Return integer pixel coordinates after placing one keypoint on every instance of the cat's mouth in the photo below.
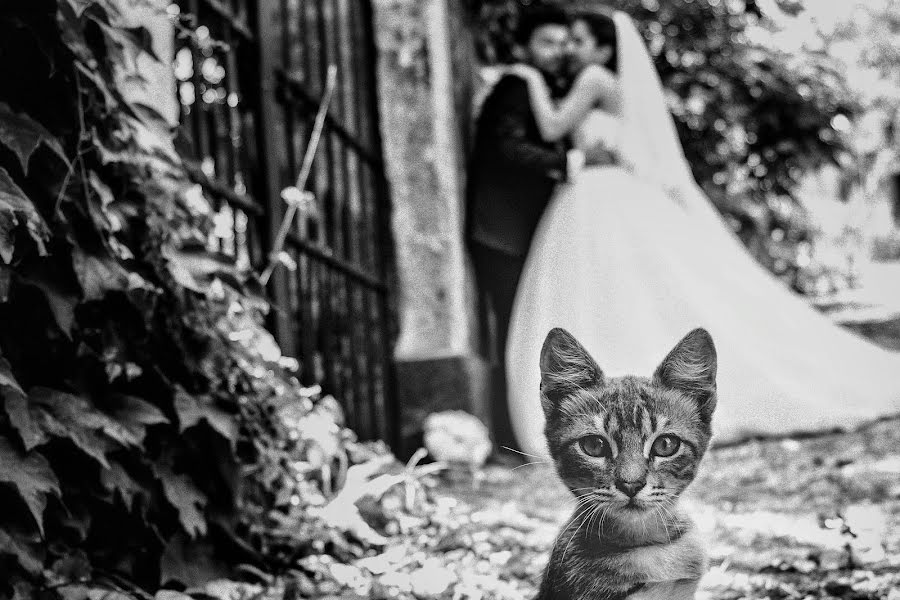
(634, 505)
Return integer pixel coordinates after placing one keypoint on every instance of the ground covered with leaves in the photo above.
(792, 518)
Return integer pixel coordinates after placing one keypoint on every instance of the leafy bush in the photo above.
(144, 438)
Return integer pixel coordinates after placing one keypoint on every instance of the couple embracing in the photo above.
(583, 214)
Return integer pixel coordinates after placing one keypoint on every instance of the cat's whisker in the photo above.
(672, 518)
(577, 512)
(658, 511)
(591, 518)
(603, 515)
(537, 462)
(582, 514)
(580, 503)
(602, 508)
(522, 453)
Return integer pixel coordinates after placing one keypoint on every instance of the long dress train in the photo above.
(628, 270)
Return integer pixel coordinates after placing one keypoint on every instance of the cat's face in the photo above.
(629, 445)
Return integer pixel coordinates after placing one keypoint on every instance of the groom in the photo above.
(512, 176)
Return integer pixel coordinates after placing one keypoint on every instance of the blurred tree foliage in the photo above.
(752, 119)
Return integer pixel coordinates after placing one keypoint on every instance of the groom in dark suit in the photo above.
(512, 176)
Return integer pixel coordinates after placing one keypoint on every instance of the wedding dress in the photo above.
(630, 260)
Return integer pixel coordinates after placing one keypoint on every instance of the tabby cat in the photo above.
(626, 448)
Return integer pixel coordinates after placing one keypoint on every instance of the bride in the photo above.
(632, 256)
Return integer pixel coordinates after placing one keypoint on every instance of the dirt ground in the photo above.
(791, 518)
(813, 518)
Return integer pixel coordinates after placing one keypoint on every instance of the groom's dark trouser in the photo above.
(498, 276)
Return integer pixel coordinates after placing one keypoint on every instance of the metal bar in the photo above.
(224, 192)
(314, 85)
(376, 407)
(344, 267)
(271, 142)
(365, 251)
(305, 169)
(305, 280)
(359, 301)
(392, 418)
(297, 90)
(365, 113)
(338, 149)
(239, 26)
(329, 335)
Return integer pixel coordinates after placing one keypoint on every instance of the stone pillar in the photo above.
(424, 80)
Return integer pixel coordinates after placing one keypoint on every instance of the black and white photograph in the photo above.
(450, 299)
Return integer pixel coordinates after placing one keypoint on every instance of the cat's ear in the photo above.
(565, 367)
(690, 368)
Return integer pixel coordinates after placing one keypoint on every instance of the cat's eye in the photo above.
(594, 445)
(666, 445)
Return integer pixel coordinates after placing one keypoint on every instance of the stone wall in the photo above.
(424, 74)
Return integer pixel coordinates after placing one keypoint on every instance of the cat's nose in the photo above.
(631, 488)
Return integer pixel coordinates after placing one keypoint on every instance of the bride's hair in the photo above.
(603, 29)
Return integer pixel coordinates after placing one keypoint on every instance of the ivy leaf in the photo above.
(16, 405)
(77, 519)
(136, 415)
(172, 594)
(74, 566)
(86, 441)
(98, 275)
(193, 409)
(117, 479)
(79, 6)
(59, 288)
(189, 501)
(191, 563)
(15, 205)
(109, 100)
(28, 554)
(68, 416)
(22, 134)
(31, 474)
(80, 412)
(105, 594)
(8, 383)
(75, 591)
(22, 590)
(140, 38)
(99, 214)
(21, 418)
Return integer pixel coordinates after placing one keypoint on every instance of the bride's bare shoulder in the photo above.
(594, 72)
(598, 81)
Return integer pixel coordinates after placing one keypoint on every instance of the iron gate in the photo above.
(248, 106)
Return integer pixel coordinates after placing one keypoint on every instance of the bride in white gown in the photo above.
(631, 257)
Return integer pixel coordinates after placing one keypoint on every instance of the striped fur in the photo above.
(615, 547)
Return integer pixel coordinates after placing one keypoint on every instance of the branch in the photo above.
(296, 195)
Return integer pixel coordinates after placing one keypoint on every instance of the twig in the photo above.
(303, 176)
(416, 458)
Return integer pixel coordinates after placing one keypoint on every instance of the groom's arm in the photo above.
(513, 110)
